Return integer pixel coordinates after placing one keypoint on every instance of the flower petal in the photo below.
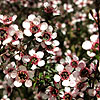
(41, 63)
(26, 24)
(27, 32)
(17, 83)
(40, 54)
(56, 78)
(28, 83)
(33, 67)
(44, 26)
(31, 17)
(87, 45)
(31, 52)
(59, 67)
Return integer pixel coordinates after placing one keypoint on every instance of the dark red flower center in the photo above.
(54, 92)
(8, 89)
(68, 97)
(49, 9)
(22, 75)
(34, 29)
(35, 60)
(74, 64)
(64, 75)
(49, 47)
(58, 58)
(46, 36)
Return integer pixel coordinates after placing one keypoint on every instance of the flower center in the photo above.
(74, 64)
(46, 36)
(8, 89)
(35, 29)
(35, 60)
(49, 47)
(3, 34)
(58, 58)
(64, 75)
(54, 92)
(49, 9)
(84, 73)
(22, 75)
(7, 20)
(68, 97)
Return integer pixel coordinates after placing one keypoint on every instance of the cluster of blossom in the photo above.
(71, 80)
(82, 3)
(11, 40)
(32, 57)
(72, 76)
(92, 46)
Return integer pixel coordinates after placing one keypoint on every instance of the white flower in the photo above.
(68, 8)
(5, 97)
(87, 45)
(56, 78)
(59, 67)
(38, 56)
(46, 4)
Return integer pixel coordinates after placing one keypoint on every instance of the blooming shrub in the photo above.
(49, 50)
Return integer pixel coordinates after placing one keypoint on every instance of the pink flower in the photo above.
(22, 76)
(36, 59)
(7, 20)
